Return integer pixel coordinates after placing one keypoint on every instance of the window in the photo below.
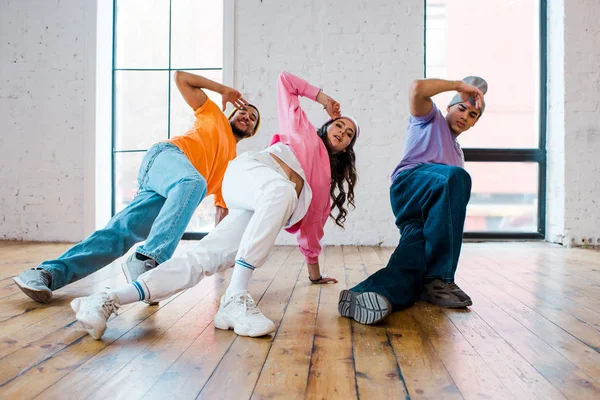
(152, 39)
(501, 41)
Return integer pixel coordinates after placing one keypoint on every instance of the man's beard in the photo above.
(237, 132)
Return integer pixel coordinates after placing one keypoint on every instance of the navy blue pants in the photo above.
(430, 203)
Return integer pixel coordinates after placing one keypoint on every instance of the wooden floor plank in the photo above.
(375, 361)
(567, 377)
(585, 327)
(288, 361)
(576, 289)
(473, 377)
(247, 355)
(144, 340)
(332, 373)
(533, 332)
(519, 284)
(572, 344)
(425, 374)
(190, 372)
(55, 365)
(423, 370)
(519, 377)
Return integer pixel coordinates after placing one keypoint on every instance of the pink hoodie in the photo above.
(296, 131)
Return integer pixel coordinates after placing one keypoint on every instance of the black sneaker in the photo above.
(35, 283)
(445, 294)
(367, 308)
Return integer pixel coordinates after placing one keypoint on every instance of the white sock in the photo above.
(242, 271)
(131, 293)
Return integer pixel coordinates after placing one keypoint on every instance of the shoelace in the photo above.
(452, 286)
(108, 306)
(42, 279)
(248, 304)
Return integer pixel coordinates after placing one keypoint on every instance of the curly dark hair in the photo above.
(343, 169)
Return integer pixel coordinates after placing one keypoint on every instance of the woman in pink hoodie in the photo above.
(290, 185)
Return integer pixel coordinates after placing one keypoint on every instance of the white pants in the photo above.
(261, 201)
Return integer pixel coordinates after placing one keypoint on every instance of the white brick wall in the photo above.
(582, 122)
(575, 147)
(555, 213)
(365, 54)
(42, 117)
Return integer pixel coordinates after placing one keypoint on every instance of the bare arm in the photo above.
(190, 86)
(329, 104)
(422, 90)
(314, 273)
(220, 214)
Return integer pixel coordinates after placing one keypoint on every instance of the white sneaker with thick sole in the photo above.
(93, 312)
(241, 314)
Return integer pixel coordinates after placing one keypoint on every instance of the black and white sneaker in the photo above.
(367, 308)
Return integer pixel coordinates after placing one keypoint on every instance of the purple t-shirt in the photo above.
(429, 140)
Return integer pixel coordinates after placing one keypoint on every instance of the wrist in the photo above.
(221, 89)
(314, 272)
(323, 99)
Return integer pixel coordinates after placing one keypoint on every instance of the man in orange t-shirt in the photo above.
(174, 177)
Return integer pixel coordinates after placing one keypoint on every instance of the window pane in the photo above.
(141, 109)
(204, 217)
(498, 40)
(142, 34)
(126, 172)
(182, 116)
(197, 34)
(504, 197)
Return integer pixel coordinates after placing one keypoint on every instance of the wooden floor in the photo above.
(532, 333)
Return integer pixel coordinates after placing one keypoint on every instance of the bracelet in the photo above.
(326, 102)
(315, 280)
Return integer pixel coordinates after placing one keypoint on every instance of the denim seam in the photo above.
(176, 219)
(180, 211)
(452, 238)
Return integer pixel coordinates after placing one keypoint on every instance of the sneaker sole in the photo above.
(367, 308)
(225, 324)
(129, 280)
(41, 296)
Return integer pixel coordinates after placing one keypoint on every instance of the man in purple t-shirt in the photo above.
(429, 195)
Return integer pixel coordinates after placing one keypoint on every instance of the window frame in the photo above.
(227, 74)
(536, 155)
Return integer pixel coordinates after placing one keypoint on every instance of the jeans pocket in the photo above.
(147, 162)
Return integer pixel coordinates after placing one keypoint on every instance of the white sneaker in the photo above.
(241, 313)
(93, 312)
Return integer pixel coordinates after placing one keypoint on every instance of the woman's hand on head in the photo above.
(333, 108)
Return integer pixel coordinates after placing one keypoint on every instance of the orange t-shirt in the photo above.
(209, 146)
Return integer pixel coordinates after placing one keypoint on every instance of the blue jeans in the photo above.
(170, 190)
(430, 203)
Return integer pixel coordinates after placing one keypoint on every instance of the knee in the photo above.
(459, 177)
(195, 185)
